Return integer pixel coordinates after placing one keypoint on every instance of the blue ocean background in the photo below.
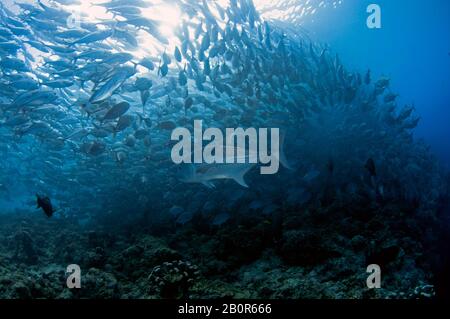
(412, 48)
(88, 113)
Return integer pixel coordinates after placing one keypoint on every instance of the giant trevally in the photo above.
(206, 173)
(237, 162)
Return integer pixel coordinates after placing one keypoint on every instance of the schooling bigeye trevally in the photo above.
(184, 148)
(91, 91)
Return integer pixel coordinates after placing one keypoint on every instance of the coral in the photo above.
(304, 248)
(420, 292)
(25, 247)
(173, 279)
(317, 258)
(239, 245)
(95, 258)
(99, 285)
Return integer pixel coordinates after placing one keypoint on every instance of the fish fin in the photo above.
(238, 175)
(240, 180)
(283, 159)
(209, 184)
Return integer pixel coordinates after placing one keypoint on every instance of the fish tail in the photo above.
(283, 159)
(239, 173)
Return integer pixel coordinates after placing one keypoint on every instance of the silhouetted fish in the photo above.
(46, 205)
(370, 166)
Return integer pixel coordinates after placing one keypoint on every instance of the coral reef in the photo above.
(304, 256)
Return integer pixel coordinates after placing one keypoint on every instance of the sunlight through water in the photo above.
(292, 11)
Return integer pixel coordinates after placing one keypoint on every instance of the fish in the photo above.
(206, 174)
(9, 63)
(116, 111)
(35, 98)
(26, 84)
(111, 85)
(184, 218)
(94, 148)
(370, 167)
(124, 122)
(58, 84)
(45, 204)
(220, 219)
(102, 99)
(143, 84)
(147, 63)
(94, 37)
(311, 175)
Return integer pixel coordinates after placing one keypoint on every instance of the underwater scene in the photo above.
(224, 149)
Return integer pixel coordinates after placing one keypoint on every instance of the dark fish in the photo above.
(188, 103)
(163, 70)
(46, 205)
(370, 166)
(182, 79)
(177, 54)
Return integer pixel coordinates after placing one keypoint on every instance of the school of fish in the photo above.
(87, 109)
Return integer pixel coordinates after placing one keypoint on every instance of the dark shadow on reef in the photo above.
(321, 251)
(441, 258)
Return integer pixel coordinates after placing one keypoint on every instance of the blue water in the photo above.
(412, 48)
(89, 118)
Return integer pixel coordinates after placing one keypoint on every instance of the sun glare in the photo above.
(168, 15)
(88, 11)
